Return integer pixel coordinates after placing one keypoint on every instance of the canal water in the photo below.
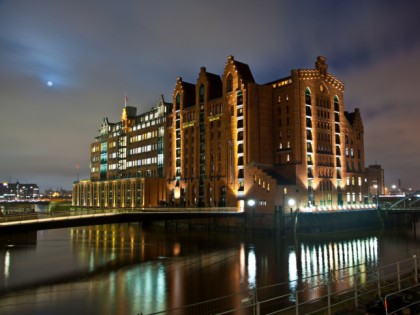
(127, 269)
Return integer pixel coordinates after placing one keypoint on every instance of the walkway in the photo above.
(59, 219)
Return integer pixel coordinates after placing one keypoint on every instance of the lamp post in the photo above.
(377, 194)
(291, 203)
(251, 203)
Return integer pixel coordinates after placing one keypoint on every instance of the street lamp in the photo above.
(251, 202)
(291, 203)
(377, 194)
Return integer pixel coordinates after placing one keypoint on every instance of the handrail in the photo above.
(378, 282)
(38, 217)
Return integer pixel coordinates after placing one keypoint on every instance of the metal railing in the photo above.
(363, 289)
(80, 213)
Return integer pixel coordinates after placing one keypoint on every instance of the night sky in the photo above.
(65, 65)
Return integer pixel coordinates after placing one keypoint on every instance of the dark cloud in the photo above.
(96, 51)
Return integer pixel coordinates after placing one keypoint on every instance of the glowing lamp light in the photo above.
(291, 202)
(177, 192)
(251, 202)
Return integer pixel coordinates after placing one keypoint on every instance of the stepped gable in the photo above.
(320, 72)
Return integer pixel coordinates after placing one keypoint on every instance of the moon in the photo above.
(49, 83)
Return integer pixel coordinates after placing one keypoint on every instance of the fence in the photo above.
(39, 217)
(381, 284)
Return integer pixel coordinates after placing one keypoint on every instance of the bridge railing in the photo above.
(358, 289)
(84, 213)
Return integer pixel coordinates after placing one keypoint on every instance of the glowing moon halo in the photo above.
(49, 83)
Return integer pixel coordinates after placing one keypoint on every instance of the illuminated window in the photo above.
(336, 104)
(308, 96)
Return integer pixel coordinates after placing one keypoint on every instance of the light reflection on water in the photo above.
(122, 269)
(312, 264)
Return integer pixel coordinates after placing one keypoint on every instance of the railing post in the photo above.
(356, 302)
(297, 302)
(398, 276)
(416, 280)
(379, 282)
(329, 296)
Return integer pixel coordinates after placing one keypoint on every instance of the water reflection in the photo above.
(124, 269)
(312, 264)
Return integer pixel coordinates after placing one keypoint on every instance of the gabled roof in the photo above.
(352, 117)
(215, 83)
(244, 71)
(189, 94)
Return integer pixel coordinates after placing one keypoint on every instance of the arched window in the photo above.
(178, 102)
(201, 94)
(336, 104)
(229, 83)
(308, 96)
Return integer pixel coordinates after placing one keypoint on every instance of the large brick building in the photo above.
(230, 140)
(288, 143)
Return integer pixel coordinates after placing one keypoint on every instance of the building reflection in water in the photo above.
(311, 264)
(146, 271)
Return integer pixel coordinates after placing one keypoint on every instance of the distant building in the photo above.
(126, 168)
(18, 191)
(226, 140)
(376, 180)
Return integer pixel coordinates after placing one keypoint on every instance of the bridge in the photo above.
(389, 210)
(80, 217)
